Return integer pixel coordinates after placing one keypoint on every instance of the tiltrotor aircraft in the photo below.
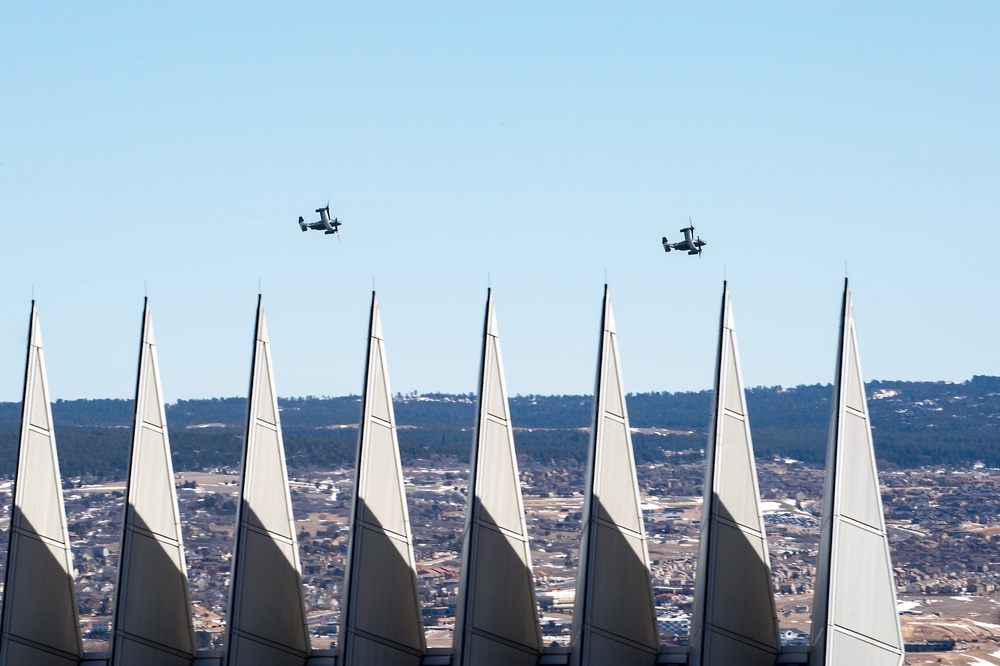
(690, 244)
(331, 226)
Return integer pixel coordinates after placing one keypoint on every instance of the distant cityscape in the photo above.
(944, 535)
(944, 520)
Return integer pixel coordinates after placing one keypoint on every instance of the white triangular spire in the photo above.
(614, 621)
(497, 620)
(40, 624)
(734, 619)
(266, 620)
(381, 615)
(152, 620)
(854, 547)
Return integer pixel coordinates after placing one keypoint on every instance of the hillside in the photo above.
(915, 423)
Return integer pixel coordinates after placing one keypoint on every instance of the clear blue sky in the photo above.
(533, 146)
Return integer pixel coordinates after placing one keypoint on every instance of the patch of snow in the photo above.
(986, 625)
(976, 661)
(945, 624)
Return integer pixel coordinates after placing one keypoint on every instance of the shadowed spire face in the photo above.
(39, 624)
(614, 621)
(855, 618)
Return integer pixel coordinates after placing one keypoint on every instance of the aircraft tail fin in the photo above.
(302, 223)
(666, 245)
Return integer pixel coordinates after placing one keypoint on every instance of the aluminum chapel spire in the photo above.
(381, 616)
(152, 620)
(614, 621)
(497, 616)
(734, 618)
(40, 623)
(854, 614)
(266, 619)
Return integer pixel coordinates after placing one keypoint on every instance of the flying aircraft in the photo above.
(331, 226)
(690, 244)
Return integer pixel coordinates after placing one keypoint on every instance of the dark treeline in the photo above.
(915, 423)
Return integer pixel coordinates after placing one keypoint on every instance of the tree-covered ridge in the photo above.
(915, 423)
